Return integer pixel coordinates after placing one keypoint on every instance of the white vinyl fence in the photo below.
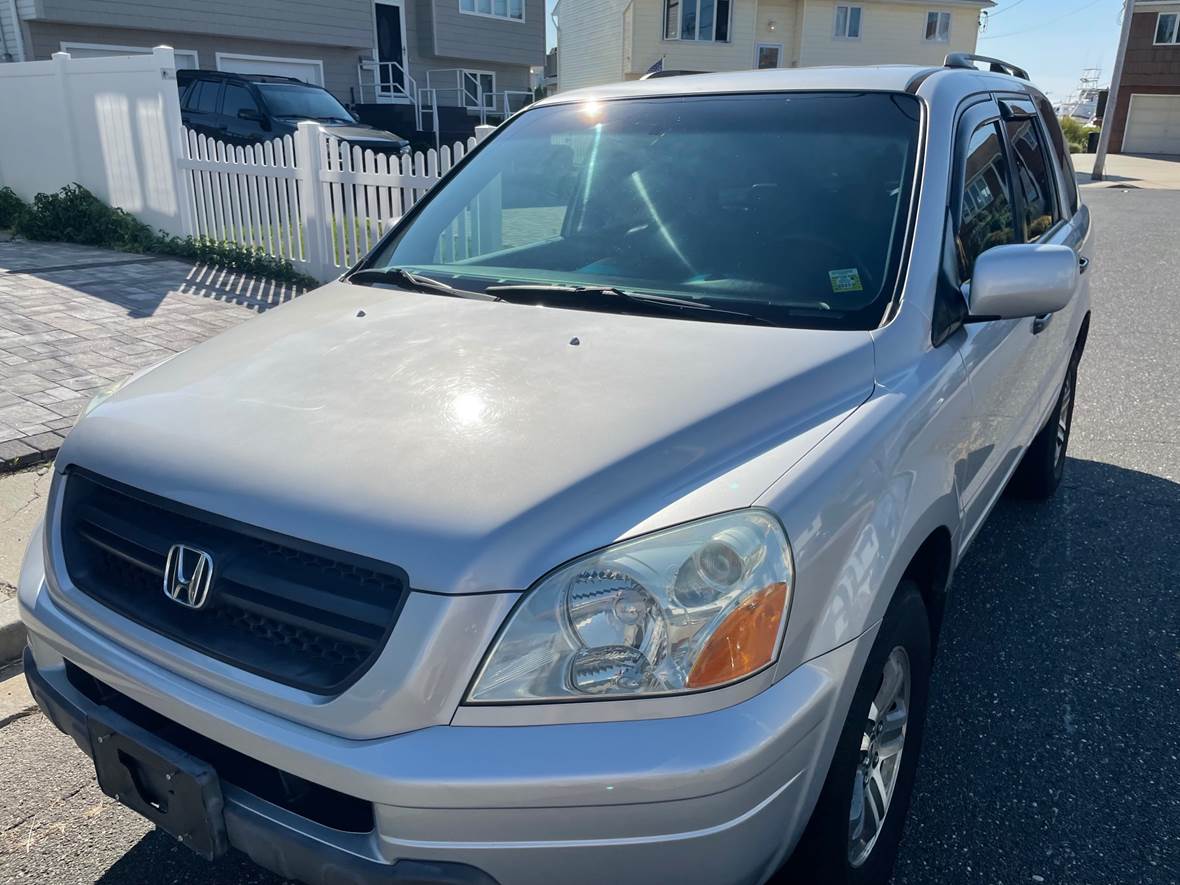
(312, 200)
(114, 126)
(110, 124)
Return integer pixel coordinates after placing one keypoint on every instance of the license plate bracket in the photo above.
(177, 792)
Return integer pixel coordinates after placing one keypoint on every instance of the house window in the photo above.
(513, 10)
(938, 27)
(1167, 28)
(847, 22)
(706, 20)
(672, 19)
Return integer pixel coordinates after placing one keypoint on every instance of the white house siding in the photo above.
(590, 38)
(692, 55)
(891, 33)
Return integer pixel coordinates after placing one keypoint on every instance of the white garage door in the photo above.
(309, 70)
(1153, 125)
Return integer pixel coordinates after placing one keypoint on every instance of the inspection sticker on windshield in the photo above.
(847, 280)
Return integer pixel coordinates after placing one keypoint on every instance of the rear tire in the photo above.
(854, 832)
(1043, 466)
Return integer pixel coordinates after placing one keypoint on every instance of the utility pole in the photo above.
(1112, 100)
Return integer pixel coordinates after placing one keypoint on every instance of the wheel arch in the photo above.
(930, 568)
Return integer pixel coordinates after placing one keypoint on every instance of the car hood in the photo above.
(363, 132)
(476, 444)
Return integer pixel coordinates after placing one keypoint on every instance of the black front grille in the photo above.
(286, 609)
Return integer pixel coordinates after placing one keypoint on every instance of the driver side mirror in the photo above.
(254, 116)
(1024, 280)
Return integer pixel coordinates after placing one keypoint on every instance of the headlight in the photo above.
(686, 609)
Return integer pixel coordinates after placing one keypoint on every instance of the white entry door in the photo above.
(768, 55)
(1153, 125)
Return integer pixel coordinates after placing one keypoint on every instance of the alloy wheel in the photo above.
(881, 747)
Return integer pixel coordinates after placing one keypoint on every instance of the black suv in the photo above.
(249, 108)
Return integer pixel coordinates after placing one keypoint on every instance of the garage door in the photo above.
(1153, 125)
(309, 70)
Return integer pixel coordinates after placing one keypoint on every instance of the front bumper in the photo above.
(259, 831)
(719, 797)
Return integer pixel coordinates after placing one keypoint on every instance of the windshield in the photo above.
(791, 207)
(305, 102)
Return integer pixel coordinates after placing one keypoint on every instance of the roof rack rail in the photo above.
(997, 66)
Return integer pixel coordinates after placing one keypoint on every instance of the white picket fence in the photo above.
(309, 199)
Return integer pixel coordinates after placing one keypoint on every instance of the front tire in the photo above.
(855, 830)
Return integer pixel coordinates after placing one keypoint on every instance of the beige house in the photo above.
(603, 41)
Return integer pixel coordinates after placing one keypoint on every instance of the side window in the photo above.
(987, 218)
(1061, 151)
(1035, 178)
(237, 98)
(191, 92)
(203, 97)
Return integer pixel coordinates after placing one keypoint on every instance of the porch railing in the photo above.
(385, 80)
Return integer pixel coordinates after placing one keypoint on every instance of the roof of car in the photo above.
(189, 73)
(869, 78)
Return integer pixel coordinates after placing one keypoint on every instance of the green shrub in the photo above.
(75, 215)
(1077, 134)
(11, 208)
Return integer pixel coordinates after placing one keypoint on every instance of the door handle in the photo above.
(1083, 264)
(1041, 323)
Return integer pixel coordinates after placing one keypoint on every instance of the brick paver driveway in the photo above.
(73, 319)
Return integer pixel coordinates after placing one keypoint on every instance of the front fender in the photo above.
(862, 503)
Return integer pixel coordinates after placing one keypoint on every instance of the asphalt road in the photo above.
(1053, 749)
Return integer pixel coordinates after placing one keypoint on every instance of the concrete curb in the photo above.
(23, 460)
(12, 632)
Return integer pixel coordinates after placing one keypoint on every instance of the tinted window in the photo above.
(202, 98)
(1061, 151)
(1035, 177)
(237, 98)
(303, 102)
(987, 218)
(792, 206)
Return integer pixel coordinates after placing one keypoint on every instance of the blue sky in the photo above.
(1053, 39)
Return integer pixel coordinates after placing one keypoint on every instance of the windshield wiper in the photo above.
(399, 276)
(532, 293)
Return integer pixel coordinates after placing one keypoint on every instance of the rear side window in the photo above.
(987, 219)
(202, 97)
(1034, 177)
(1061, 151)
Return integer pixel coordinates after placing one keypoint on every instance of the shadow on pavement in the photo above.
(158, 858)
(1053, 712)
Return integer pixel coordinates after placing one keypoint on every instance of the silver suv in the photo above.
(598, 526)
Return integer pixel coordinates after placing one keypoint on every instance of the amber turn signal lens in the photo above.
(744, 641)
